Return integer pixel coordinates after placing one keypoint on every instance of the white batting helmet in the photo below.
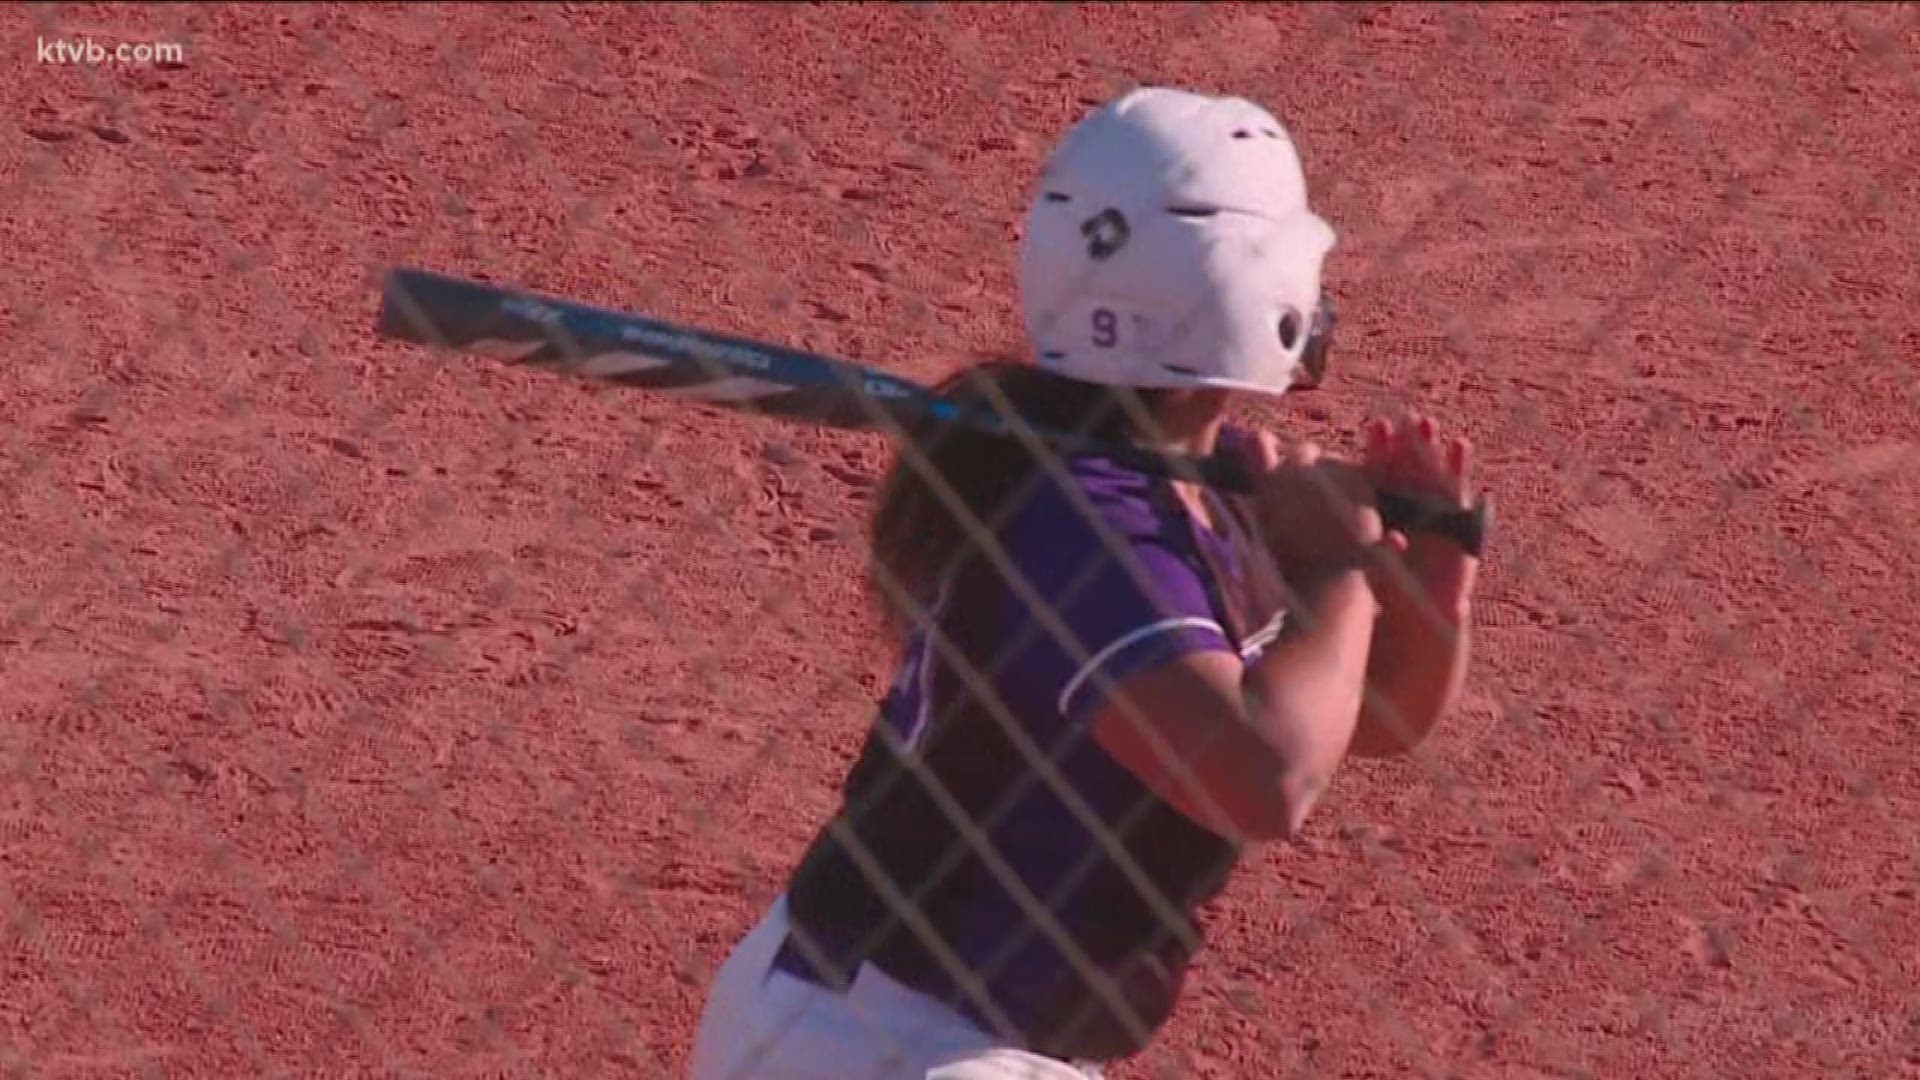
(1169, 244)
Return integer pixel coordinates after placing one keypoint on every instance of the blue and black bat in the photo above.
(426, 308)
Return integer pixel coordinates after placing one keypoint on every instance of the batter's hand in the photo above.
(1316, 513)
(1409, 456)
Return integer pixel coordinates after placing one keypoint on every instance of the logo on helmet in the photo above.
(1106, 232)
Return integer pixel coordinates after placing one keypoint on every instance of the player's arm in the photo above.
(1417, 667)
(1247, 750)
(1420, 645)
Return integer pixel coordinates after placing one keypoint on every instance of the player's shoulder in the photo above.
(1086, 505)
(1125, 495)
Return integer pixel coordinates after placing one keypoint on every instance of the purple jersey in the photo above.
(1118, 578)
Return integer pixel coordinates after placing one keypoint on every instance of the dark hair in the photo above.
(917, 537)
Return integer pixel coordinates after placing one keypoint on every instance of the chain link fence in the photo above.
(369, 711)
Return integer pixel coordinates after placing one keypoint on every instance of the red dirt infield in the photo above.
(373, 713)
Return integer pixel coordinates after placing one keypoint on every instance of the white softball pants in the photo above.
(761, 1026)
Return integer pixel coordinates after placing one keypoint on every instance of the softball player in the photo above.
(1110, 682)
